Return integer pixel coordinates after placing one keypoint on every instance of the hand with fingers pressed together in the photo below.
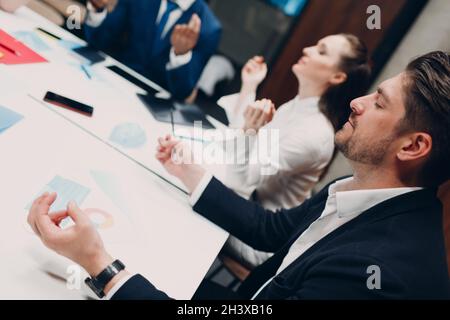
(253, 73)
(258, 115)
(178, 160)
(80, 242)
(184, 37)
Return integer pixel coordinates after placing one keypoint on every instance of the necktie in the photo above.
(171, 6)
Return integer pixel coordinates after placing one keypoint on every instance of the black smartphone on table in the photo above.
(64, 102)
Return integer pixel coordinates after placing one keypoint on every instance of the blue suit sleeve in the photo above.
(139, 288)
(261, 229)
(107, 36)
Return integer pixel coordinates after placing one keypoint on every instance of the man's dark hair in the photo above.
(427, 104)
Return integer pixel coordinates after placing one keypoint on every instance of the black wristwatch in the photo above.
(98, 283)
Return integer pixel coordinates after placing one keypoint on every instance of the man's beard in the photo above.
(360, 152)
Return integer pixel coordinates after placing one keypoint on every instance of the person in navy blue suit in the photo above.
(168, 41)
(375, 235)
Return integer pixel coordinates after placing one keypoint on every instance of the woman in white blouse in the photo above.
(330, 74)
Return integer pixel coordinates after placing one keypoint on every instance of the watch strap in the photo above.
(99, 282)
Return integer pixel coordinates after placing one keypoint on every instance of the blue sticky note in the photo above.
(67, 190)
(8, 118)
(32, 40)
(68, 44)
(128, 135)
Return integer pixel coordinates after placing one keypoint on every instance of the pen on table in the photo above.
(85, 70)
(189, 138)
(49, 33)
(171, 121)
(15, 52)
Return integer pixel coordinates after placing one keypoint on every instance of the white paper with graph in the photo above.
(100, 195)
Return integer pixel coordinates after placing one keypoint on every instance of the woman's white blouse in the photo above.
(285, 159)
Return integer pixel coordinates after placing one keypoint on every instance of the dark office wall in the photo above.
(250, 27)
(325, 17)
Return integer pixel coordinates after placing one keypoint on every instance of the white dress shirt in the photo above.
(94, 19)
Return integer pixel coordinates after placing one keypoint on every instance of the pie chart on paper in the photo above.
(100, 218)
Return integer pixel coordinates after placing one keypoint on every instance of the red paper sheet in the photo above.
(26, 54)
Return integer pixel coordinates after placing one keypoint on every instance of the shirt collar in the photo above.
(354, 202)
(184, 4)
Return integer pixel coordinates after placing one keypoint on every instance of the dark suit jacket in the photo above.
(128, 34)
(402, 236)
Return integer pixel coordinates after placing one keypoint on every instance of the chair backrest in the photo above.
(218, 69)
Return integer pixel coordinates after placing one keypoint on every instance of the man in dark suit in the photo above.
(376, 235)
(168, 41)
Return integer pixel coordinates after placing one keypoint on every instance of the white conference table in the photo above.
(153, 230)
